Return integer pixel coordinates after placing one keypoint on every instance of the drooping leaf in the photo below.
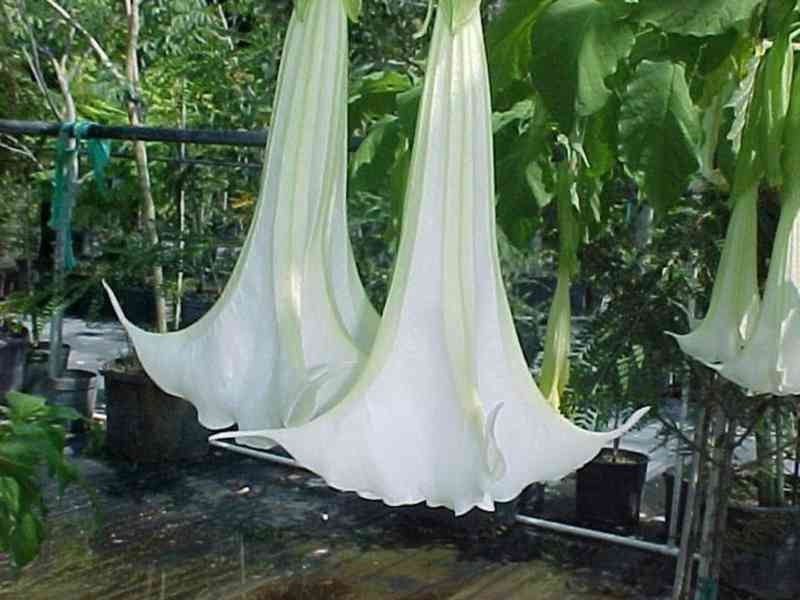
(508, 41)
(695, 17)
(26, 538)
(577, 44)
(600, 140)
(660, 131)
(376, 153)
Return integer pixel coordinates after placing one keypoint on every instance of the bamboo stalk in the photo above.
(708, 536)
(142, 166)
(683, 570)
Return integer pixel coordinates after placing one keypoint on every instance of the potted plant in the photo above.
(31, 436)
(14, 344)
(143, 423)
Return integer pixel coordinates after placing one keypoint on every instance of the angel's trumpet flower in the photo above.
(734, 306)
(293, 322)
(445, 410)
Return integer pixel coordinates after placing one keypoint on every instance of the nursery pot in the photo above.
(36, 368)
(146, 425)
(12, 364)
(193, 307)
(77, 389)
(609, 493)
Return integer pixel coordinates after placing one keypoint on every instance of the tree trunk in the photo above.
(726, 485)
(780, 497)
(181, 201)
(685, 564)
(55, 363)
(142, 166)
(764, 454)
(706, 586)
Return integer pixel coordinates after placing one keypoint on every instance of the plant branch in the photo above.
(95, 45)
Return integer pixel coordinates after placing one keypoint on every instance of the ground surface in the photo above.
(235, 527)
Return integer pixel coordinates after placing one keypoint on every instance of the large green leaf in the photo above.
(508, 41)
(524, 173)
(576, 45)
(660, 131)
(695, 17)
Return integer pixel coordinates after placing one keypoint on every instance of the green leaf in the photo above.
(779, 13)
(508, 41)
(660, 131)
(26, 538)
(695, 17)
(600, 140)
(577, 44)
(23, 406)
(376, 153)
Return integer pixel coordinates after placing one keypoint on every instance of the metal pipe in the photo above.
(261, 454)
(222, 137)
(144, 134)
(597, 535)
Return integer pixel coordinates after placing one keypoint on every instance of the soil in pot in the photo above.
(146, 425)
(36, 368)
(12, 363)
(609, 489)
(76, 389)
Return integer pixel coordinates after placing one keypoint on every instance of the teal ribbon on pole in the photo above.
(99, 152)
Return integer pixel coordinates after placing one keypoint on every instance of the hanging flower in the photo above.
(770, 362)
(734, 305)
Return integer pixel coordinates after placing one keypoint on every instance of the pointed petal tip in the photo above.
(633, 420)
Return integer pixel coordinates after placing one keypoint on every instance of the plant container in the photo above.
(609, 491)
(76, 389)
(146, 425)
(12, 363)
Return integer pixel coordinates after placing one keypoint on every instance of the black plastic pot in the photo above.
(12, 363)
(193, 307)
(146, 425)
(609, 494)
(36, 368)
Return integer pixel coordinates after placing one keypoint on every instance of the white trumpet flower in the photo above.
(293, 323)
(770, 361)
(734, 306)
(445, 410)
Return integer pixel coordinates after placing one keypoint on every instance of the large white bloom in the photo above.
(770, 361)
(445, 410)
(734, 306)
(293, 323)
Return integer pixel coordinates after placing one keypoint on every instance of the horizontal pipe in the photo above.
(260, 454)
(144, 134)
(220, 137)
(598, 535)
